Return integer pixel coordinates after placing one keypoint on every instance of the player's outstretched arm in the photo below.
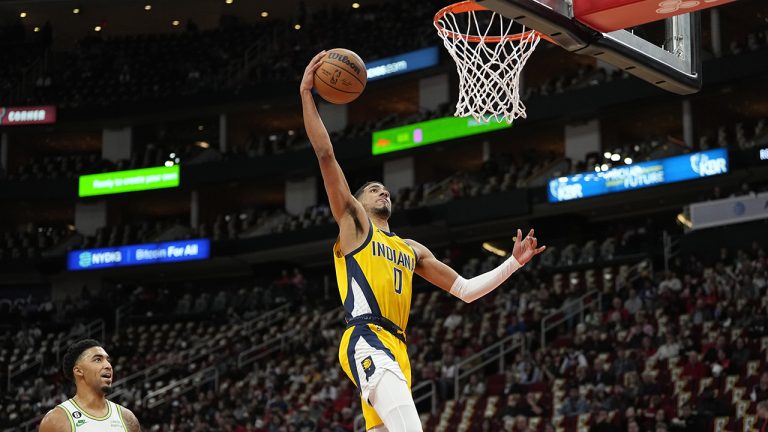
(131, 422)
(342, 203)
(439, 274)
(55, 421)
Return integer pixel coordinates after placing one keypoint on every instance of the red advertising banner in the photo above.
(610, 15)
(12, 116)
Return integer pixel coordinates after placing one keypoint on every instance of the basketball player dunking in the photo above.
(374, 270)
(87, 364)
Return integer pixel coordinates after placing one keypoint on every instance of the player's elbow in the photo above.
(324, 153)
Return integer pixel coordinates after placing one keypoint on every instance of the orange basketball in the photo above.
(341, 77)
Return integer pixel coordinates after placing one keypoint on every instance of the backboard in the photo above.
(675, 66)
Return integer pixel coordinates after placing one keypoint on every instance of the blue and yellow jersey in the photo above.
(376, 278)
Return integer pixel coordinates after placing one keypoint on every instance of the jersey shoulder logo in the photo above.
(76, 415)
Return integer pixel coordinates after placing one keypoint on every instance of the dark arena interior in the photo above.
(208, 276)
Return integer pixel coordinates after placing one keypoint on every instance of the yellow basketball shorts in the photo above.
(365, 352)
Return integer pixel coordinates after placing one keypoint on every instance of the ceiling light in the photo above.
(264, 14)
(97, 28)
(355, 5)
(202, 144)
(23, 14)
(76, 11)
(607, 155)
(175, 23)
(168, 164)
(229, 1)
(628, 161)
(494, 250)
(615, 157)
(148, 7)
(297, 27)
(37, 29)
(604, 167)
(597, 168)
(683, 220)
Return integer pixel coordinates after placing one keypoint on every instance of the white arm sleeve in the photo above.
(472, 289)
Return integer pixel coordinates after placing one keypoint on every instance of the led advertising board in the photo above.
(141, 254)
(430, 132)
(129, 181)
(403, 63)
(639, 175)
(17, 116)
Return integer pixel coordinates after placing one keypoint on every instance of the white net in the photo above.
(489, 62)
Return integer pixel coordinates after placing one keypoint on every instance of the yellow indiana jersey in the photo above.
(376, 278)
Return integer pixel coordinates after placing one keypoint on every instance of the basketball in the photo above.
(341, 77)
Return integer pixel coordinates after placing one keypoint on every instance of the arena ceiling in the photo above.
(120, 17)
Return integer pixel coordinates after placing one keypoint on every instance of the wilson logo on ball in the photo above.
(344, 59)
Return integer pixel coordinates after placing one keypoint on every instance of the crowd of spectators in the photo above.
(660, 353)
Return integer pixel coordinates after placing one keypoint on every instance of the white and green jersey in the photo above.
(81, 421)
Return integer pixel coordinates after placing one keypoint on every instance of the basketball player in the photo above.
(87, 365)
(374, 270)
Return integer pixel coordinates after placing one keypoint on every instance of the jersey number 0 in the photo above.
(398, 280)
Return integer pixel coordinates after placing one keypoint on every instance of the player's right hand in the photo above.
(308, 81)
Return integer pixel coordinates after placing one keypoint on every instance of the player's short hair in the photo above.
(73, 354)
(368, 183)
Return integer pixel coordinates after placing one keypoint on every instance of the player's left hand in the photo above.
(526, 248)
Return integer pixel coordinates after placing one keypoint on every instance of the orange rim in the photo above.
(470, 6)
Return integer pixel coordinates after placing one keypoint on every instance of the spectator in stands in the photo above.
(618, 313)
(454, 320)
(447, 372)
(669, 349)
(574, 404)
(685, 420)
(634, 303)
(624, 362)
(601, 373)
(670, 283)
(650, 387)
(762, 417)
(603, 423)
(759, 392)
(518, 405)
(527, 371)
(475, 387)
(512, 383)
(694, 369)
(740, 355)
(710, 406)
(303, 422)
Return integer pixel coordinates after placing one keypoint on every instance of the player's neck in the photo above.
(380, 223)
(92, 401)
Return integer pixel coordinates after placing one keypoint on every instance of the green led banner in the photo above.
(430, 132)
(129, 181)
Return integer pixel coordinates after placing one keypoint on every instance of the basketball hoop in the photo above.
(489, 64)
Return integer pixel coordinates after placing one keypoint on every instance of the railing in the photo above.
(193, 353)
(95, 329)
(359, 425)
(496, 352)
(122, 316)
(568, 311)
(263, 349)
(671, 249)
(160, 396)
(245, 358)
(17, 368)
